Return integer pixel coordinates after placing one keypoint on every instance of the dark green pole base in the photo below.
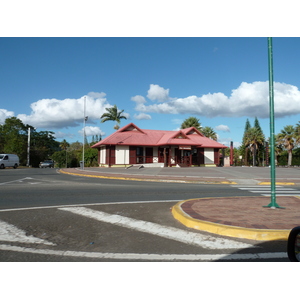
(274, 205)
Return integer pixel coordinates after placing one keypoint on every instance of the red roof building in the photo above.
(131, 145)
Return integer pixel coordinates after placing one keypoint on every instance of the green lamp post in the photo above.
(273, 203)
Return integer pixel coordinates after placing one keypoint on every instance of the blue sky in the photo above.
(157, 81)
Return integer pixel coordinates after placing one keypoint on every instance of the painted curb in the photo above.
(226, 230)
(146, 179)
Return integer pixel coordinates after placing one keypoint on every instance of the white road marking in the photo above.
(280, 195)
(11, 233)
(266, 190)
(277, 192)
(183, 236)
(145, 256)
(86, 204)
(18, 180)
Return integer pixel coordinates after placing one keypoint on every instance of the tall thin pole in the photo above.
(84, 119)
(273, 203)
(28, 148)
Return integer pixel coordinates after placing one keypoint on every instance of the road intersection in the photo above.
(136, 230)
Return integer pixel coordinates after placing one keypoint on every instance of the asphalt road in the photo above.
(48, 216)
(45, 187)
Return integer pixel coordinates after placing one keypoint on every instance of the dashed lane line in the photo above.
(176, 234)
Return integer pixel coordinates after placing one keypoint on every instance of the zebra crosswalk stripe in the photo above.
(266, 190)
(176, 234)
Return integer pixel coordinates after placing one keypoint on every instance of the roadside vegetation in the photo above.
(254, 150)
(43, 146)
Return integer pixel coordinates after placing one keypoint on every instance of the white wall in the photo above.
(209, 156)
(172, 154)
(122, 155)
(102, 155)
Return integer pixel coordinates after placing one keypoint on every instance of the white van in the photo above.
(9, 160)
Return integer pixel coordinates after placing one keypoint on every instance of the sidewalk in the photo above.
(240, 217)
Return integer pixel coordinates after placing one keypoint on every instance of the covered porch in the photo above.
(167, 156)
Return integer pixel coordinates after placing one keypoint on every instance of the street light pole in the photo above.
(84, 120)
(273, 203)
(28, 148)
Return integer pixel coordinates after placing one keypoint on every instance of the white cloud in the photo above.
(249, 99)
(90, 131)
(156, 92)
(142, 116)
(127, 115)
(5, 114)
(54, 113)
(138, 99)
(222, 128)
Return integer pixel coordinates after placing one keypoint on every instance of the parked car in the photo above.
(47, 164)
(293, 246)
(9, 160)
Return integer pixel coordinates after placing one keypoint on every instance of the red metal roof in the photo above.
(133, 136)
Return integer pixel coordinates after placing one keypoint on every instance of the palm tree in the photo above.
(278, 149)
(297, 132)
(253, 138)
(191, 122)
(113, 115)
(64, 145)
(209, 133)
(287, 137)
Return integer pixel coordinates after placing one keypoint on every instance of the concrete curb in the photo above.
(226, 230)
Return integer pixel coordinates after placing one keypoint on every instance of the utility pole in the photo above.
(28, 148)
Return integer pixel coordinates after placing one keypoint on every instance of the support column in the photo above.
(231, 153)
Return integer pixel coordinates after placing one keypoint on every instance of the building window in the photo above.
(139, 151)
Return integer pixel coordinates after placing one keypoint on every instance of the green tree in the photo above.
(209, 133)
(287, 138)
(244, 148)
(297, 133)
(260, 146)
(91, 157)
(43, 145)
(13, 137)
(75, 146)
(64, 146)
(191, 122)
(278, 148)
(60, 158)
(113, 114)
(253, 139)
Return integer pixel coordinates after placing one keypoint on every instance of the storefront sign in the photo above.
(185, 147)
